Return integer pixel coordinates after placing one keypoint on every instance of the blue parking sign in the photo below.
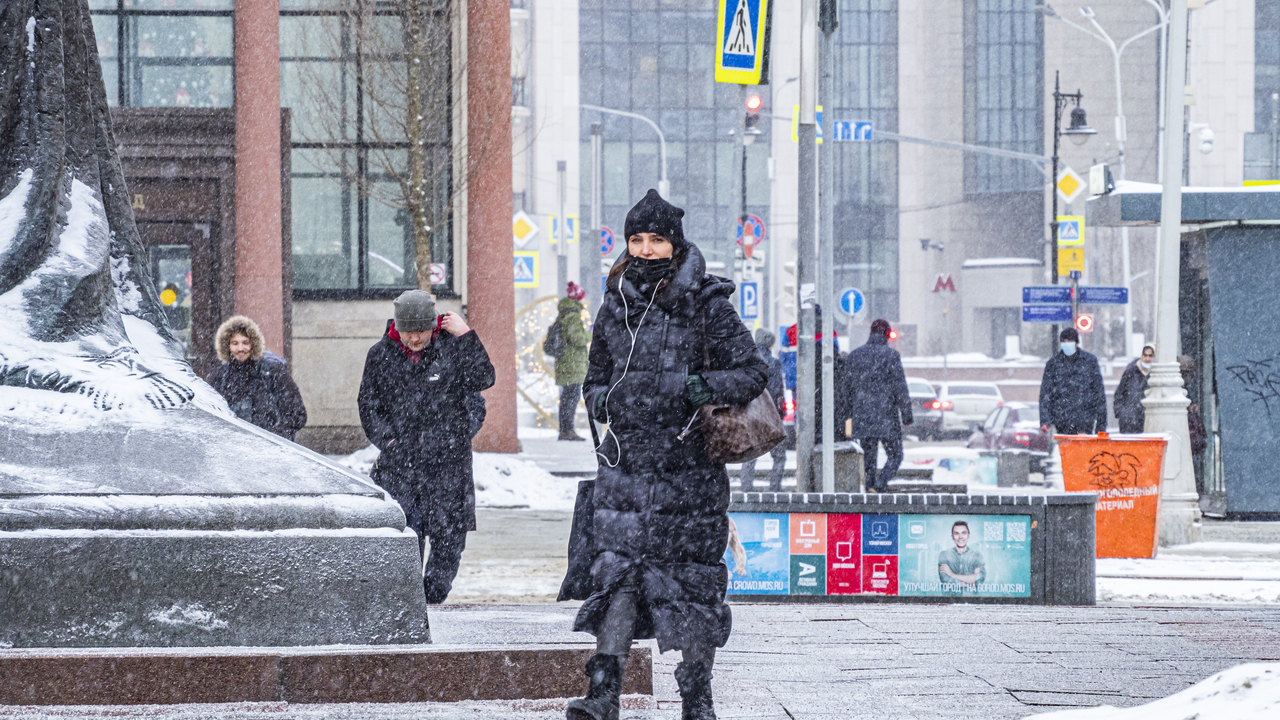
(749, 295)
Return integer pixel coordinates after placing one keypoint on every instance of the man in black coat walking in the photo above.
(414, 407)
(878, 402)
(1072, 399)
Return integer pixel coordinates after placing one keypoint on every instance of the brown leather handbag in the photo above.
(737, 433)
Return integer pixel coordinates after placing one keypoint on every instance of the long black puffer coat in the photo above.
(423, 408)
(660, 502)
(1128, 399)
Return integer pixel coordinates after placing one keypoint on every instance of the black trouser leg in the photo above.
(779, 455)
(747, 476)
(693, 675)
(605, 670)
(870, 450)
(442, 563)
(569, 395)
(893, 451)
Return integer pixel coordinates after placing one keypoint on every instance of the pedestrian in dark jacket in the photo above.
(878, 403)
(765, 341)
(571, 366)
(1072, 399)
(661, 520)
(256, 382)
(414, 408)
(1127, 400)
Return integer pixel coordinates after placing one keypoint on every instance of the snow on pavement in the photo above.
(1206, 573)
(1248, 691)
(502, 481)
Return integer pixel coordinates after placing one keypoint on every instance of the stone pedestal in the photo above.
(193, 529)
(1166, 405)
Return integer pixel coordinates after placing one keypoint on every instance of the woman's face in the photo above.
(240, 347)
(649, 246)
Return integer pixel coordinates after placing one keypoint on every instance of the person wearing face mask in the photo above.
(666, 340)
(416, 406)
(1072, 399)
(1132, 388)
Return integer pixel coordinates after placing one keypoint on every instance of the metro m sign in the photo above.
(944, 282)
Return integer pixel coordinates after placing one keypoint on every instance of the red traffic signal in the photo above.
(893, 334)
(754, 103)
(1084, 323)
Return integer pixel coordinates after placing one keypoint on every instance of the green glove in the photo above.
(697, 391)
(600, 412)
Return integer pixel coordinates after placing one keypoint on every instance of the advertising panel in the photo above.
(758, 558)
(973, 555)
(852, 554)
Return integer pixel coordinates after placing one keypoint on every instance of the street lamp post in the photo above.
(1079, 132)
(663, 186)
(1121, 130)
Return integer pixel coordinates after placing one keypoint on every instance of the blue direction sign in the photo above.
(1098, 295)
(1046, 295)
(852, 130)
(852, 301)
(749, 294)
(1046, 313)
(606, 241)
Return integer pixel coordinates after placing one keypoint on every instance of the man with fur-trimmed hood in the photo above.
(256, 382)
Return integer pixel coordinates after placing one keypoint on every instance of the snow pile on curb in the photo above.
(1245, 692)
(502, 481)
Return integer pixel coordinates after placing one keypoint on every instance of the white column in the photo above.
(1166, 401)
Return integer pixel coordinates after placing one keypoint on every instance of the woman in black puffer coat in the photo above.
(661, 520)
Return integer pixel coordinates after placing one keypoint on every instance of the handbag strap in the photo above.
(706, 342)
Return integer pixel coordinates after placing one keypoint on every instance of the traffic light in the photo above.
(752, 126)
(893, 334)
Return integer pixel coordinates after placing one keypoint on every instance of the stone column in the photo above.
(490, 296)
(259, 285)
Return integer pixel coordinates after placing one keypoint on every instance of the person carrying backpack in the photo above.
(567, 342)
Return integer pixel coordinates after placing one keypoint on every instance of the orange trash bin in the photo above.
(1125, 472)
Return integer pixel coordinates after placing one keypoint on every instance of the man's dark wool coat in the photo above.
(1127, 399)
(875, 388)
(1072, 398)
(423, 408)
(661, 504)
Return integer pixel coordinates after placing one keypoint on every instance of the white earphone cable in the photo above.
(626, 319)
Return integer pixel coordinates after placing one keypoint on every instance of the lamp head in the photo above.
(1079, 130)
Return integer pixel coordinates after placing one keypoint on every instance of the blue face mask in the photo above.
(1068, 348)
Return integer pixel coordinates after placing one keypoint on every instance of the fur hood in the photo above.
(239, 325)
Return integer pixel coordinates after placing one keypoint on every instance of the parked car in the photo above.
(926, 409)
(966, 405)
(1014, 426)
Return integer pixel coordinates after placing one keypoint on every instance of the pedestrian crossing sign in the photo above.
(571, 225)
(742, 41)
(1070, 231)
(526, 269)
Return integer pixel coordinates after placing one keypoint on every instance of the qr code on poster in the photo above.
(993, 531)
(1016, 531)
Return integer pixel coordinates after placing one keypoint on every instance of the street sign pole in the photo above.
(826, 242)
(562, 235)
(588, 257)
(806, 211)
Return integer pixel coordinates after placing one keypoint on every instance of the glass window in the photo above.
(1003, 89)
(919, 388)
(347, 194)
(984, 390)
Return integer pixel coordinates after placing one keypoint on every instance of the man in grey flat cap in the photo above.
(413, 406)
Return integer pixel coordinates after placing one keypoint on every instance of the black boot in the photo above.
(694, 679)
(601, 702)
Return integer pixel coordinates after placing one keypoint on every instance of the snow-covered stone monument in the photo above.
(135, 510)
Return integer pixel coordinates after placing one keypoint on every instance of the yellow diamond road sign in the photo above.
(1070, 186)
(523, 229)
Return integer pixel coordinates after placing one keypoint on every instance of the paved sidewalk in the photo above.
(812, 662)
